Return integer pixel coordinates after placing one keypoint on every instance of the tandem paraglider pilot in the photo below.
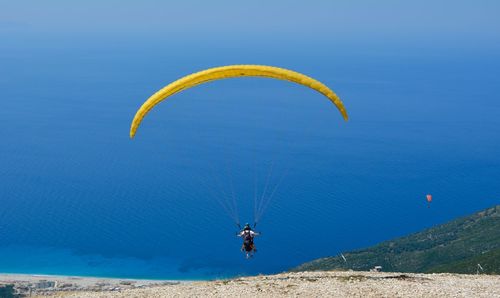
(248, 246)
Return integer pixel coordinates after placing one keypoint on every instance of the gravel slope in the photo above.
(324, 284)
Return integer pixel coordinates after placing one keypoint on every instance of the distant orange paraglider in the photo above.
(429, 200)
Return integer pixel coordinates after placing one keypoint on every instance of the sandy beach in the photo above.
(303, 284)
(47, 285)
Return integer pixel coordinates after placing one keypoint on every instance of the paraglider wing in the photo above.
(429, 200)
(233, 71)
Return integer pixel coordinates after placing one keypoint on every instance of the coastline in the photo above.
(46, 284)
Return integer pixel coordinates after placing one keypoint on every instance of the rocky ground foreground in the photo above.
(318, 284)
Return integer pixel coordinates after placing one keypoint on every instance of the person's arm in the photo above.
(254, 233)
(240, 234)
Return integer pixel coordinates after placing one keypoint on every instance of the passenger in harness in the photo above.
(248, 246)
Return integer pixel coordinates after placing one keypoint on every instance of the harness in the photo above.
(247, 237)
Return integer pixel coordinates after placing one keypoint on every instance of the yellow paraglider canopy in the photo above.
(233, 71)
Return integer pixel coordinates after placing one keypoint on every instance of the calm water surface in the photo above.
(79, 197)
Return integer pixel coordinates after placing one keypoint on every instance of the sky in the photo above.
(451, 23)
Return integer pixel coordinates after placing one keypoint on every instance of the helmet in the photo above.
(247, 227)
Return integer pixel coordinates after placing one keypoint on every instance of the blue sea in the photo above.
(79, 197)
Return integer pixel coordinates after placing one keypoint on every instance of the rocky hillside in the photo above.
(457, 246)
(320, 284)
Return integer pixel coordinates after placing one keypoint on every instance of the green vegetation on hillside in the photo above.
(457, 246)
(7, 291)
